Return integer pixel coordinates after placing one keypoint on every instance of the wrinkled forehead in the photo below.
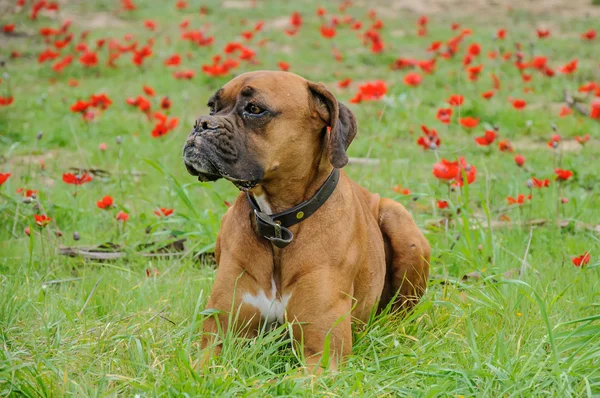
(279, 89)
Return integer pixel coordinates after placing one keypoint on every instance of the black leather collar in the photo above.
(274, 227)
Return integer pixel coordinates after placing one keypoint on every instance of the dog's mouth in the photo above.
(207, 167)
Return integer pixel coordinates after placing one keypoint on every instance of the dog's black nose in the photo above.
(204, 123)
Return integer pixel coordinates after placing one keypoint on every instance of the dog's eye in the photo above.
(254, 109)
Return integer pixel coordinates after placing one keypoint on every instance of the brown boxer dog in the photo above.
(302, 243)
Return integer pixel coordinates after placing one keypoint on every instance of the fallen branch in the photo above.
(573, 104)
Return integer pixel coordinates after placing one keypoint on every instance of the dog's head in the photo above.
(263, 125)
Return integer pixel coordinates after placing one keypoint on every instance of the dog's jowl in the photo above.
(303, 242)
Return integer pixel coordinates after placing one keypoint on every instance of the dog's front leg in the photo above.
(321, 318)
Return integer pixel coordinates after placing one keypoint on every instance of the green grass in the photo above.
(106, 328)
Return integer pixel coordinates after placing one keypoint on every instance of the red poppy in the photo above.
(488, 94)
(595, 110)
(539, 183)
(542, 33)
(505, 146)
(487, 139)
(582, 140)
(105, 203)
(63, 63)
(519, 104)
(4, 177)
(327, 31)
(402, 191)
(80, 106)
(163, 212)
(563, 175)
(164, 125)
(184, 74)
(88, 59)
(435, 46)
(41, 220)
(474, 49)
(565, 111)
(5, 101)
(444, 115)
(296, 20)
(587, 88)
(456, 100)
(589, 35)
(46, 55)
(370, 91)
(469, 122)
(442, 204)
(73, 179)
(149, 90)
(8, 28)
(122, 216)
(150, 24)
(128, 5)
(569, 68)
(501, 34)
(344, 83)
(412, 79)
(582, 260)
(520, 160)
(28, 193)
(173, 60)
(519, 200)
(284, 66)
(165, 103)
(430, 138)
(554, 141)
(446, 170)
(248, 35)
(100, 101)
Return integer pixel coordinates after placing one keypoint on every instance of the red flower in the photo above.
(540, 183)
(163, 212)
(554, 141)
(505, 146)
(73, 179)
(173, 60)
(41, 220)
(501, 34)
(47, 54)
(582, 140)
(344, 83)
(488, 94)
(565, 111)
(563, 175)
(88, 59)
(370, 91)
(28, 193)
(582, 260)
(181, 4)
(474, 49)
(184, 74)
(469, 122)
(8, 28)
(412, 79)
(284, 66)
(165, 103)
(446, 170)
(444, 115)
(487, 139)
(589, 35)
(5, 101)
(402, 191)
(80, 106)
(430, 139)
(542, 33)
(100, 101)
(296, 20)
(595, 111)
(442, 204)
(4, 177)
(321, 11)
(519, 104)
(150, 24)
(569, 68)
(434, 46)
(327, 31)
(587, 88)
(63, 63)
(456, 100)
(164, 125)
(520, 160)
(519, 200)
(105, 203)
(149, 90)
(122, 216)
(128, 5)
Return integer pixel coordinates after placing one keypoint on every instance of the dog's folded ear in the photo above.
(339, 118)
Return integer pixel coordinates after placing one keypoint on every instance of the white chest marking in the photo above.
(271, 308)
(261, 200)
